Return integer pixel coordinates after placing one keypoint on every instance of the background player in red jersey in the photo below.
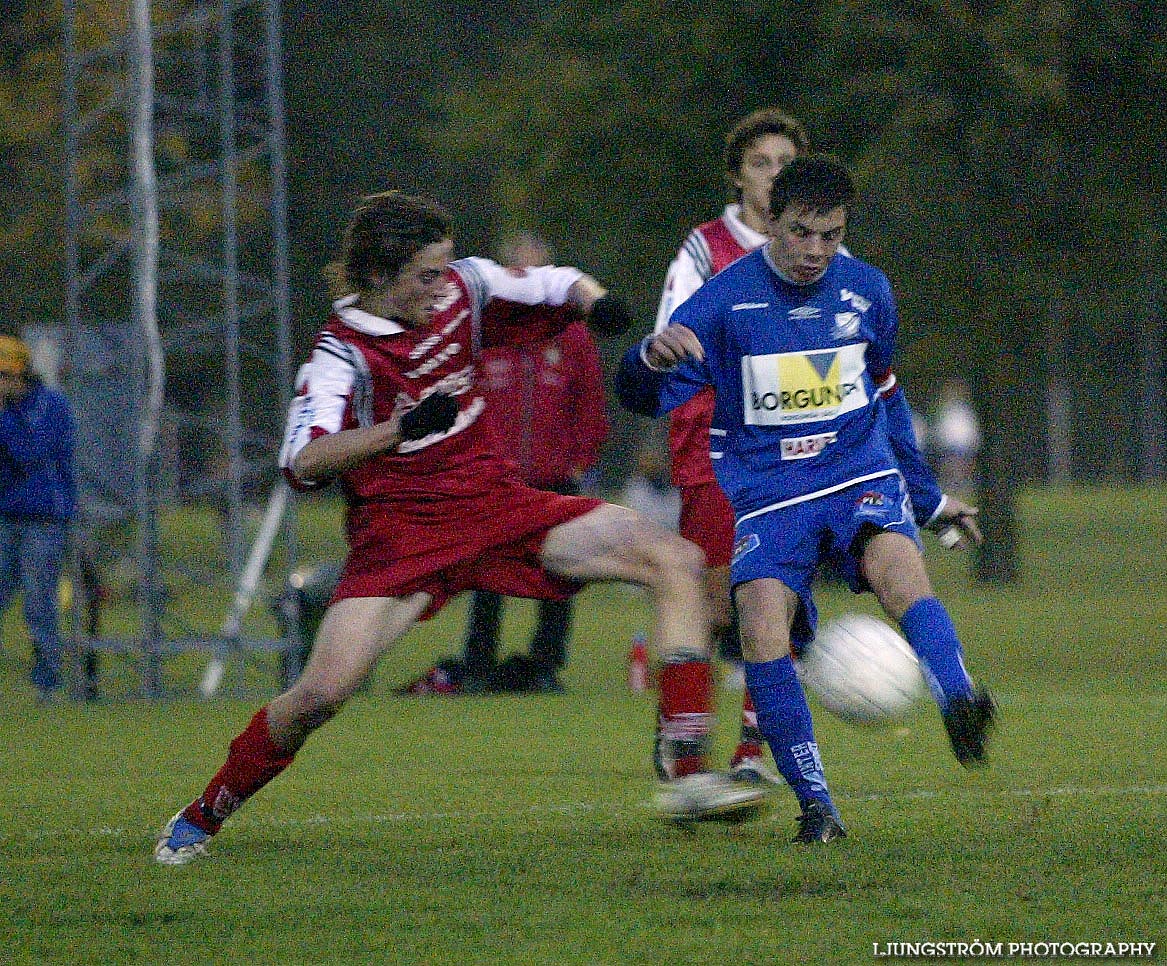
(546, 401)
(386, 404)
(759, 146)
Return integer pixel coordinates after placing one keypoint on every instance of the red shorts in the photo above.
(707, 520)
(490, 541)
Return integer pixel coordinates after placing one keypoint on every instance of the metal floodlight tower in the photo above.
(177, 275)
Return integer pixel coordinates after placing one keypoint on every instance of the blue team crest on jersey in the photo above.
(846, 324)
(871, 504)
(856, 300)
(743, 546)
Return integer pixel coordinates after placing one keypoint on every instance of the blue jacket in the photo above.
(36, 456)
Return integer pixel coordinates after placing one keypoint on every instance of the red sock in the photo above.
(686, 687)
(750, 743)
(252, 762)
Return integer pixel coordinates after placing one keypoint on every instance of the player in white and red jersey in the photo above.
(756, 149)
(387, 405)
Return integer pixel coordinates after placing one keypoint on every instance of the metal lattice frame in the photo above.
(176, 202)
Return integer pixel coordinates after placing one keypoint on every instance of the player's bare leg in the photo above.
(894, 567)
(352, 636)
(613, 543)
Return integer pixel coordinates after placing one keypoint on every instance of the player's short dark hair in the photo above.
(768, 120)
(384, 232)
(819, 181)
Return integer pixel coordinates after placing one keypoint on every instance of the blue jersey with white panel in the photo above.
(798, 371)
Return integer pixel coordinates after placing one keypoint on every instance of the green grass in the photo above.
(518, 830)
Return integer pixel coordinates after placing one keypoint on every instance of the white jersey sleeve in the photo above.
(686, 274)
(334, 378)
(486, 280)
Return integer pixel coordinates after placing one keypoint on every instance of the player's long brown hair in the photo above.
(384, 232)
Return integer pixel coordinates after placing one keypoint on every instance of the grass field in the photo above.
(519, 829)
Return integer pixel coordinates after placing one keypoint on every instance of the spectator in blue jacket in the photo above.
(37, 500)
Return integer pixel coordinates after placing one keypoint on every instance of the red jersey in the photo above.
(365, 368)
(547, 402)
(447, 512)
(707, 250)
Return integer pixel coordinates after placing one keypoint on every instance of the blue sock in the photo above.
(929, 630)
(784, 719)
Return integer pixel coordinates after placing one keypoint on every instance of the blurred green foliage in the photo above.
(1009, 155)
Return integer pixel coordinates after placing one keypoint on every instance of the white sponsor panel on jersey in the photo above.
(787, 388)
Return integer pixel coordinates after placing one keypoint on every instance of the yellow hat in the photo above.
(13, 356)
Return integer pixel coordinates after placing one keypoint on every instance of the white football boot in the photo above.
(180, 842)
(709, 797)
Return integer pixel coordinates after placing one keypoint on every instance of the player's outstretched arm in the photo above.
(607, 314)
(953, 520)
(328, 456)
(585, 291)
(646, 365)
(610, 315)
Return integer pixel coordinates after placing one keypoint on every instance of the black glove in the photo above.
(434, 414)
(610, 316)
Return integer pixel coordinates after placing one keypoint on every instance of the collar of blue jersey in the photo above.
(364, 321)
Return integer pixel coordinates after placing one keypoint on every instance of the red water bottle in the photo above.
(638, 664)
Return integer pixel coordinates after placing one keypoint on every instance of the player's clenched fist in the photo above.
(434, 414)
(672, 346)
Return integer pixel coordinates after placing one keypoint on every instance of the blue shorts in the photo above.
(790, 543)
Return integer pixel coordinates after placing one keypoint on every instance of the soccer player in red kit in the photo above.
(386, 405)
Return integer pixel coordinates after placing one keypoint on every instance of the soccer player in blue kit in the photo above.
(818, 458)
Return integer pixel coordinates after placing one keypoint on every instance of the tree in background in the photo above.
(971, 127)
(32, 212)
(1010, 155)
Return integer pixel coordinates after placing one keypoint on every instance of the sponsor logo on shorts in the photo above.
(871, 498)
(744, 545)
(803, 447)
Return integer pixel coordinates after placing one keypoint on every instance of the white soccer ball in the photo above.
(861, 670)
